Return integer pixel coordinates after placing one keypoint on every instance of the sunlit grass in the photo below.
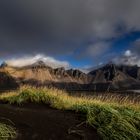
(114, 118)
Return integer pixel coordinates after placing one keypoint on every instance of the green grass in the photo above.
(7, 132)
(113, 120)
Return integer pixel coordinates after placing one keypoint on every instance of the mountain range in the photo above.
(106, 78)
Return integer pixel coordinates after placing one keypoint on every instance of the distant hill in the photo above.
(105, 78)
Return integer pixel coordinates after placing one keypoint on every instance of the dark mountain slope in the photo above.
(116, 77)
(133, 71)
(7, 82)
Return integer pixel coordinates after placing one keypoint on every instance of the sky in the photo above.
(70, 33)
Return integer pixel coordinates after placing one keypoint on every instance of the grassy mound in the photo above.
(7, 132)
(112, 119)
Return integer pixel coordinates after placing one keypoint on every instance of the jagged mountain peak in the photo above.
(39, 63)
(4, 64)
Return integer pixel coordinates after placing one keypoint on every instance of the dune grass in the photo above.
(112, 118)
(7, 132)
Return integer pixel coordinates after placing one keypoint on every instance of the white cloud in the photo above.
(28, 60)
(128, 58)
(128, 53)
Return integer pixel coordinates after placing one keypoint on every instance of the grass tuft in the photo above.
(7, 132)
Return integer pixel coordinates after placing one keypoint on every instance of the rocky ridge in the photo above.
(106, 78)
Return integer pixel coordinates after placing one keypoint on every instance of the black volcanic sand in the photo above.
(40, 122)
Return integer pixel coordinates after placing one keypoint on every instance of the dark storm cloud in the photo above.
(136, 47)
(60, 26)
